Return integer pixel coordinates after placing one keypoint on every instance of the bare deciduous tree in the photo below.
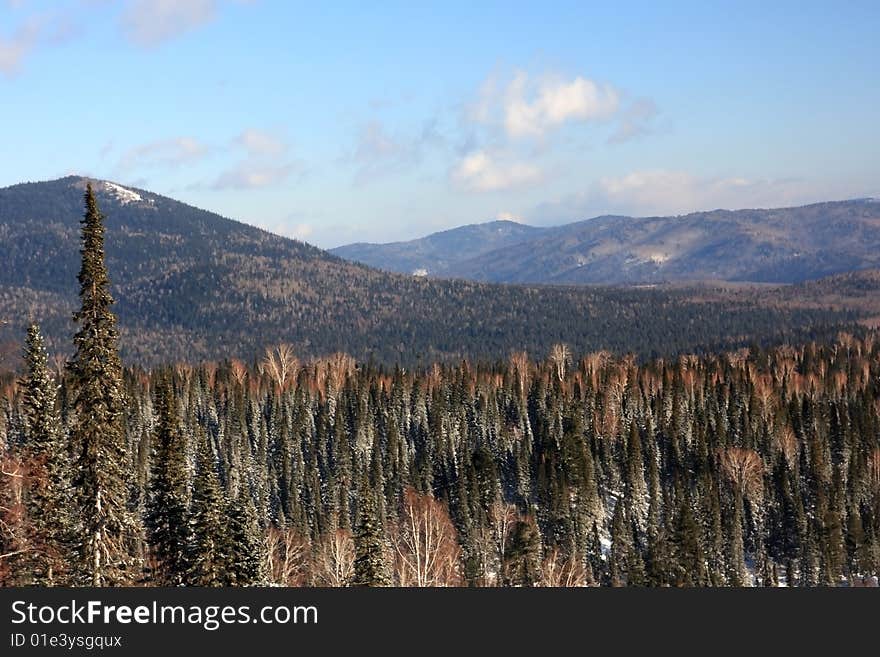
(287, 555)
(560, 356)
(557, 571)
(745, 470)
(281, 365)
(340, 366)
(519, 362)
(12, 512)
(239, 371)
(59, 363)
(425, 543)
(333, 563)
(503, 517)
(787, 443)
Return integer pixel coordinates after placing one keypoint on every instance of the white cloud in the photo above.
(636, 120)
(258, 143)
(150, 22)
(250, 174)
(668, 192)
(166, 153)
(378, 153)
(508, 216)
(13, 50)
(301, 231)
(675, 192)
(483, 110)
(264, 164)
(374, 141)
(34, 31)
(530, 107)
(480, 171)
(146, 23)
(531, 112)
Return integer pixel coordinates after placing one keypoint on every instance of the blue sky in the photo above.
(353, 123)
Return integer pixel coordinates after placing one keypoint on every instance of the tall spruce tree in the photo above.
(47, 492)
(522, 558)
(208, 555)
(246, 547)
(370, 567)
(166, 517)
(108, 529)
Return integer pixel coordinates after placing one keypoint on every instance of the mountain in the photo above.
(439, 253)
(785, 245)
(192, 285)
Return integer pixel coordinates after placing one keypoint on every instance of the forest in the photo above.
(752, 467)
(758, 466)
(190, 285)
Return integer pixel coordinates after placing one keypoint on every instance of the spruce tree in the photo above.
(522, 558)
(108, 529)
(246, 548)
(166, 518)
(689, 556)
(621, 545)
(47, 491)
(370, 567)
(207, 554)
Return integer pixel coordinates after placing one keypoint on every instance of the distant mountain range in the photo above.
(192, 285)
(785, 245)
(441, 254)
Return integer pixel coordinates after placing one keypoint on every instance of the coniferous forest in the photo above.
(756, 467)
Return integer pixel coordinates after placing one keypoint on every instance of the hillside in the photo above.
(784, 245)
(440, 253)
(192, 285)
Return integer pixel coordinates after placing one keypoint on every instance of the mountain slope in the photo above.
(439, 253)
(191, 285)
(785, 245)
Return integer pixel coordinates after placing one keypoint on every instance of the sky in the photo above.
(349, 123)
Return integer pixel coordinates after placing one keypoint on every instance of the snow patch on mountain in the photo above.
(123, 194)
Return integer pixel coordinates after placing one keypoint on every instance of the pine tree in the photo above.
(370, 566)
(166, 518)
(636, 488)
(689, 552)
(522, 559)
(246, 548)
(855, 542)
(207, 555)
(108, 529)
(621, 545)
(47, 491)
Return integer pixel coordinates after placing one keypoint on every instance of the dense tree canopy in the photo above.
(749, 467)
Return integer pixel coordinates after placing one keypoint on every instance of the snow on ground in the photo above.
(122, 194)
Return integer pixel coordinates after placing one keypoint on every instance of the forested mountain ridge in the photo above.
(755, 466)
(784, 245)
(441, 252)
(191, 285)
